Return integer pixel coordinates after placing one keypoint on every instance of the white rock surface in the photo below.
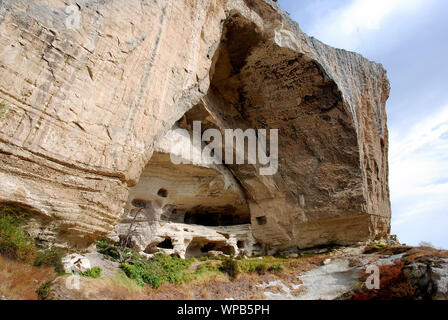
(76, 263)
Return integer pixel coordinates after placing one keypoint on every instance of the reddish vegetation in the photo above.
(423, 254)
(393, 285)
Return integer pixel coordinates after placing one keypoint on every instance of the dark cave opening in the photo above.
(215, 217)
(261, 220)
(200, 247)
(166, 244)
(163, 193)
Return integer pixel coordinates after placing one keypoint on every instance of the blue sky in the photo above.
(410, 39)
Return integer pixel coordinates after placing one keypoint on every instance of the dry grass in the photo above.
(423, 254)
(209, 285)
(118, 287)
(19, 281)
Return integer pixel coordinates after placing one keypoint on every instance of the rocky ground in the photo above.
(405, 272)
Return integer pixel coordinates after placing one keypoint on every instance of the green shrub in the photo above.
(94, 272)
(252, 266)
(103, 244)
(133, 272)
(276, 268)
(50, 258)
(14, 243)
(206, 267)
(108, 249)
(261, 268)
(231, 267)
(152, 278)
(375, 248)
(155, 271)
(43, 292)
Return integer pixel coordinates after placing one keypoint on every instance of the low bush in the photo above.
(94, 272)
(261, 268)
(231, 267)
(50, 258)
(156, 270)
(14, 243)
(375, 248)
(206, 267)
(276, 268)
(133, 272)
(43, 292)
(108, 249)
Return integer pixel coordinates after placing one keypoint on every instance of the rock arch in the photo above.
(87, 109)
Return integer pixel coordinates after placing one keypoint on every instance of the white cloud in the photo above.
(419, 169)
(346, 27)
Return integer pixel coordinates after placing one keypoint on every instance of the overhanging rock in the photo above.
(83, 108)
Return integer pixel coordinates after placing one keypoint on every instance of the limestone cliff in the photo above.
(87, 100)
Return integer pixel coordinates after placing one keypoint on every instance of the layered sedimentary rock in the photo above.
(87, 98)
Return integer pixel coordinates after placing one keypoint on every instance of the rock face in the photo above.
(89, 93)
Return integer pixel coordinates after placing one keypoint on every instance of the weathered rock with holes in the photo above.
(76, 263)
(189, 241)
(83, 107)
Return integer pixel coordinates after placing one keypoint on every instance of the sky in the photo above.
(410, 39)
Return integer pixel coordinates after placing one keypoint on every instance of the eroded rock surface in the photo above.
(84, 110)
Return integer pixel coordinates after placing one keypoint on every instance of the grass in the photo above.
(162, 271)
(94, 272)
(50, 258)
(44, 290)
(164, 277)
(276, 268)
(262, 266)
(24, 264)
(108, 249)
(157, 270)
(20, 280)
(161, 268)
(375, 248)
(231, 267)
(14, 242)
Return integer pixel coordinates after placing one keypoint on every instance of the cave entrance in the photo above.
(199, 247)
(166, 244)
(214, 217)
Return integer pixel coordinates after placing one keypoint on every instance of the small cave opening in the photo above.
(166, 244)
(261, 220)
(216, 217)
(163, 193)
(201, 247)
(240, 244)
(139, 203)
